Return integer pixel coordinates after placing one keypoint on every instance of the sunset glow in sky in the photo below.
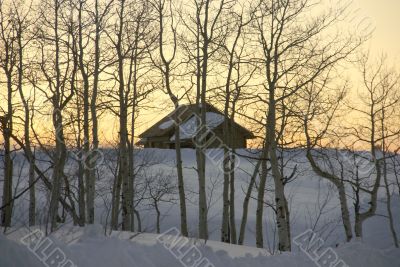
(383, 16)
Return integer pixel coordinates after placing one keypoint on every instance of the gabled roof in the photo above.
(165, 126)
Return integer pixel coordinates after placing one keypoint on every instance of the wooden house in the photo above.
(162, 133)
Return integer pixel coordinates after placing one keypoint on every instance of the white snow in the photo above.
(90, 246)
(188, 128)
(166, 124)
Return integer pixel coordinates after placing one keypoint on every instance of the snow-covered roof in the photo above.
(188, 129)
(165, 127)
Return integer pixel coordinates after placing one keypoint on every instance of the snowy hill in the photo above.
(95, 246)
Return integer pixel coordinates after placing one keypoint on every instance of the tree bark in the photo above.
(246, 203)
(260, 204)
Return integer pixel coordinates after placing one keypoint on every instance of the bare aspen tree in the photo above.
(246, 201)
(79, 154)
(289, 66)
(85, 99)
(395, 162)
(22, 23)
(385, 154)
(97, 18)
(390, 134)
(208, 17)
(90, 20)
(260, 202)
(200, 20)
(201, 73)
(378, 99)
(123, 174)
(317, 115)
(233, 50)
(73, 114)
(8, 65)
(54, 64)
(128, 37)
(163, 8)
(141, 38)
(227, 199)
(161, 189)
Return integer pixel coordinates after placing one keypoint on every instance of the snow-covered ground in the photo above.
(90, 247)
(93, 246)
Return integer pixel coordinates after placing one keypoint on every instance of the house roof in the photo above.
(165, 126)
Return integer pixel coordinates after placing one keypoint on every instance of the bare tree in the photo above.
(9, 65)
(379, 99)
(163, 8)
(208, 17)
(234, 57)
(99, 19)
(160, 189)
(260, 202)
(59, 79)
(293, 56)
(22, 23)
(246, 202)
(318, 113)
(129, 35)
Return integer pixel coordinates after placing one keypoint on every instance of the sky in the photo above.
(382, 15)
(386, 16)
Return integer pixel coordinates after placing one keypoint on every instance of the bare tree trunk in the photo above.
(202, 133)
(388, 205)
(338, 182)
(8, 63)
(8, 167)
(374, 192)
(232, 221)
(86, 138)
(59, 103)
(385, 179)
(356, 189)
(280, 199)
(116, 197)
(32, 194)
(21, 25)
(225, 235)
(246, 203)
(260, 204)
(345, 211)
(58, 171)
(181, 185)
(131, 160)
(123, 131)
(139, 220)
(158, 217)
(341, 192)
(226, 228)
(166, 71)
(81, 194)
(373, 200)
(81, 168)
(90, 185)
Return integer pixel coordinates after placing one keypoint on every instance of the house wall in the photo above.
(239, 141)
(214, 140)
(157, 142)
